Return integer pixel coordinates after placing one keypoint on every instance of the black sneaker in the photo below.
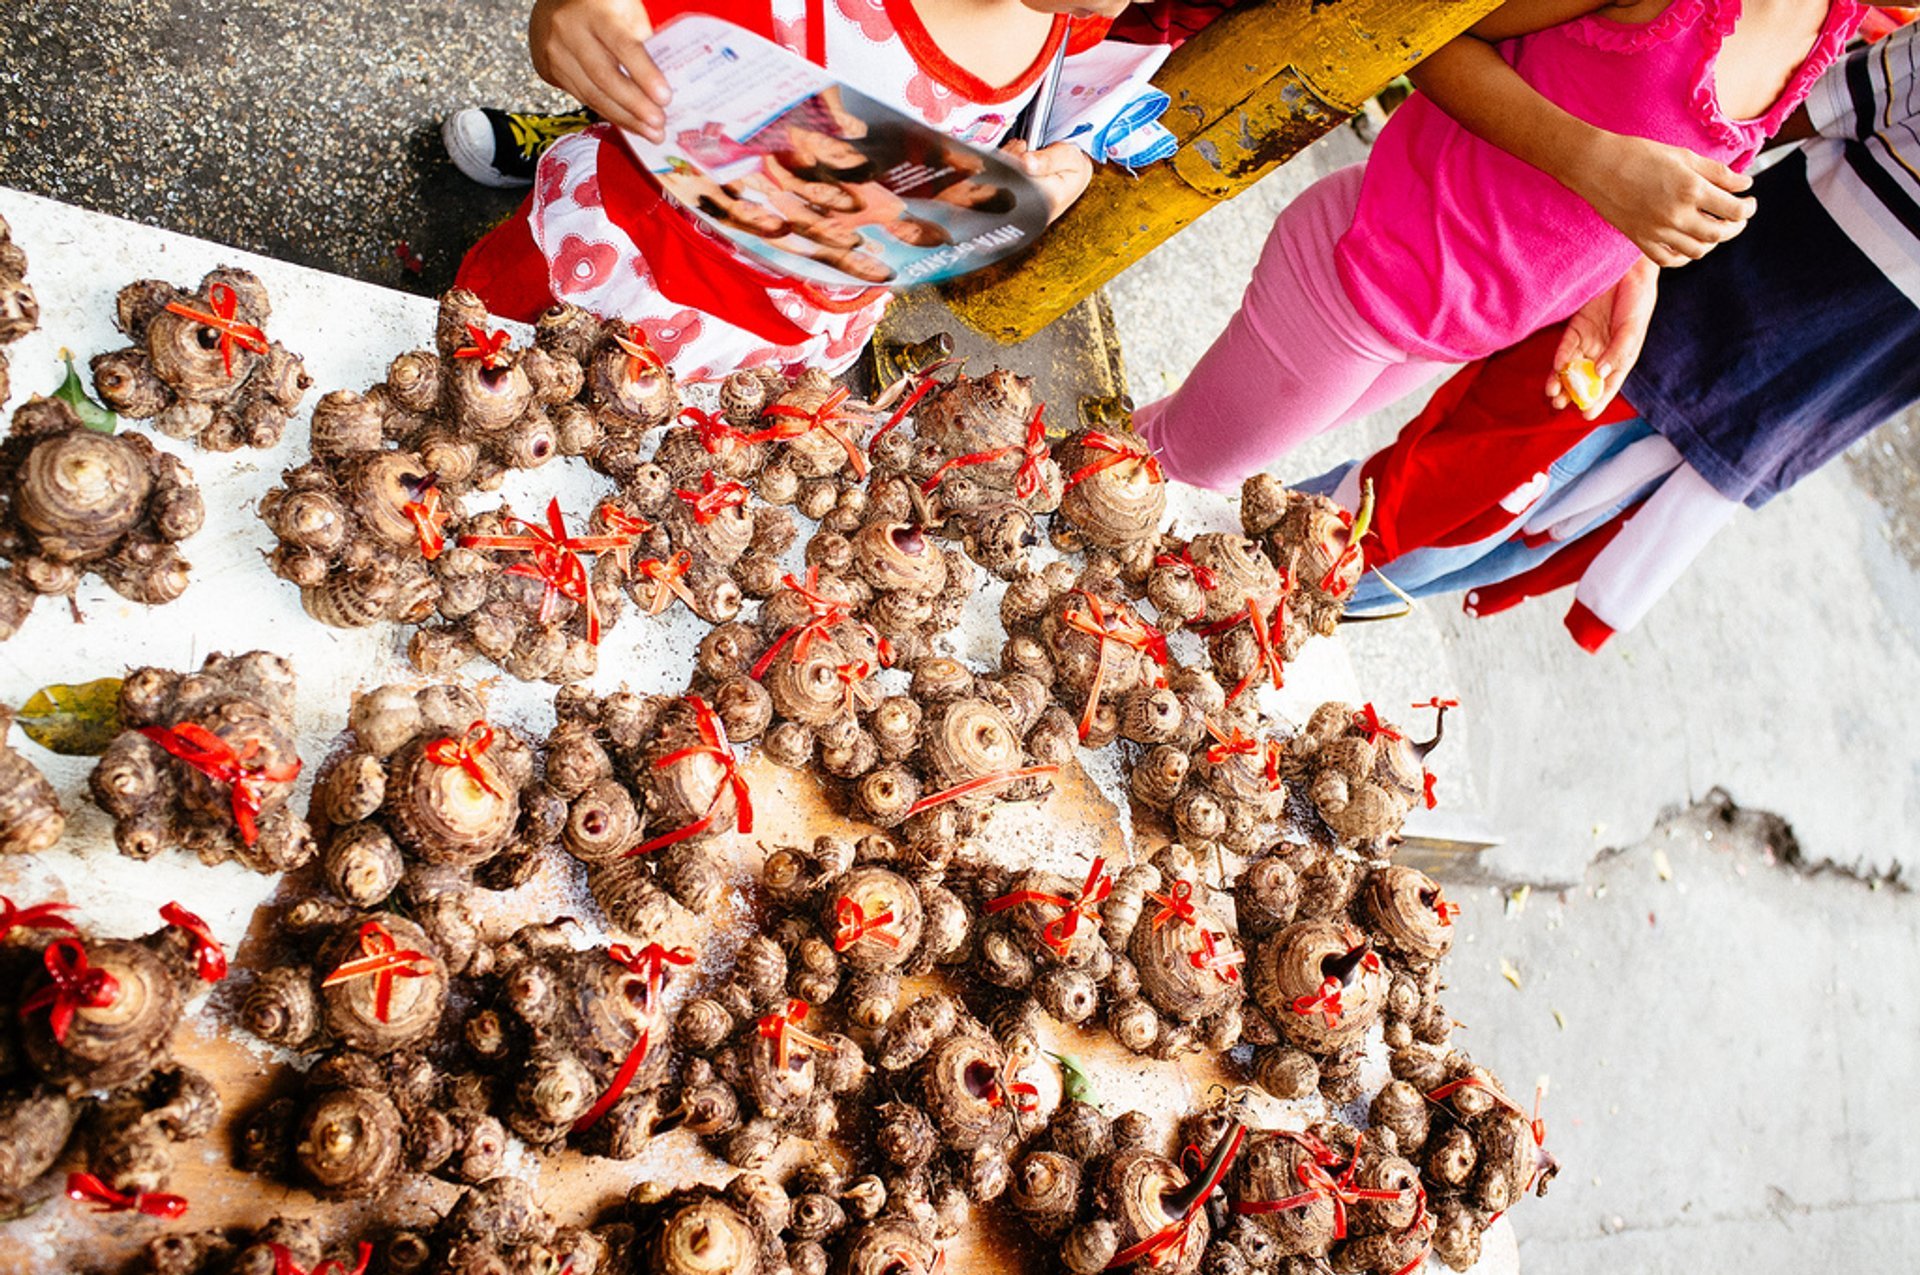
(502, 148)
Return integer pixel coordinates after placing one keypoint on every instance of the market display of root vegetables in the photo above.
(500, 951)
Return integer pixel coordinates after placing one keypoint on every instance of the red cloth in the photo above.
(1485, 433)
(1167, 21)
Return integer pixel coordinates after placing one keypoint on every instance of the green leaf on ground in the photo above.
(74, 721)
(1075, 1082)
(73, 392)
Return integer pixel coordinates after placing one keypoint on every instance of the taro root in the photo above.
(73, 500)
(917, 587)
(628, 385)
(648, 783)
(1322, 985)
(1226, 589)
(1318, 548)
(281, 1244)
(1326, 1194)
(89, 1051)
(206, 762)
(19, 308)
(1114, 495)
(361, 1124)
(1362, 773)
(1410, 916)
(1229, 791)
(704, 1231)
(692, 537)
(1188, 964)
(587, 1039)
(1145, 1212)
(201, 366)
(815, 432)
(376, 983)
(426, 783)
(31, 819)
(498, 1225)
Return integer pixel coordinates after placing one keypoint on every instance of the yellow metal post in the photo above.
(1249, 92)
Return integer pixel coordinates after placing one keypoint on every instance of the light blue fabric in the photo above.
(1431, 572)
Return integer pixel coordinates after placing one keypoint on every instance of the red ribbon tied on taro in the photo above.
(429, 521)
(1326, 1002)
(852, 924)
(784, 1031)
(1175, 905)
(1202, 576)
(1120, 626)
(1208, 956)
(641, 356)
(1033, 453)
(795, 422)
(41, 916)
(1173, 1237)
(1271, 752)
(979, 783)
(667, 578)
(489, 347)
(209, 957)
(283, 1263)
(225, 304)
(824, 614)
(85, 1188)
(852, 674)
(1023, 1097)
(383, 961)
(1367, 722)
(650, 963)
(557, 563)
(621, 523)
(465, 754)
(1117, 453)
(215, 758)
(713, 743)
(1444, 909)
(1058, 933)
(715, 434)
(713, 499)
(1322, 1185)
(1427, 781)
(1535, 1125)
(76, 985)
(1438, 704)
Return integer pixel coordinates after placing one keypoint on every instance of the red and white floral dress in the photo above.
(598, 231)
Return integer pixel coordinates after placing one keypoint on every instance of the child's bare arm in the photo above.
(593, 50)
(1673, 204)
(1061, 170)
(1524, 17)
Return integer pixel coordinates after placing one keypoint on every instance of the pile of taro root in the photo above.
(862, 1070)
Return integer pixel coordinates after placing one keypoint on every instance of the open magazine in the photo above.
(813, 179)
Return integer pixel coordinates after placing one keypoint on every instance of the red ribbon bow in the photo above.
(1271, 751)
(1438, 704)
(650, 963)
(1174, 1236)
(1427, 781)
(1535, 1125)
(667, 579)
(209, 957)
(1326, 1002)
(384, 961)
(824, 615)
(851, 675)
(429, 521)
(41, 916)
(1322, 1185)
(1202, 576)
(621, 523)
(713, 499)
(489, 347)
(213, 757)
(1123, 627)
(283, 1263)
(232, 332)
(85, 1188)
(826, 418)
(1210, 958)
(1118, 453)
(979, 783)
(557, 563)
(715, 434)
(713, 743)
(1367, 721)
(1058, 933)
(912, 400)
(1330, 583)
(1176, 904)
(1442, 907)
(853, 924)
(641, 356)
(1023, 1097)
(784, 1031)
(1034, 453)
(76, 986)
(465, 754)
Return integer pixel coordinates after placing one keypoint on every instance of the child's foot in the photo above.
(502, 148)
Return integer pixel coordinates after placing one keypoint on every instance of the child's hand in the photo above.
(592, 49)
(1061, 170)
(1609, 330)
(1674, 205)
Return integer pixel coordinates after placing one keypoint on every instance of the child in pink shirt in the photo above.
(1445, 247)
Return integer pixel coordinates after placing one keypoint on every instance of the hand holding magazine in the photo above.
(812, 179)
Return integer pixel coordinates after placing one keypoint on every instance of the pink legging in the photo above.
(1296, 359)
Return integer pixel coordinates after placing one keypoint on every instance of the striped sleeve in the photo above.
(1874, 91)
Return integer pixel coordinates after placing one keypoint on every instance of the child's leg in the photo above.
(1293, 361)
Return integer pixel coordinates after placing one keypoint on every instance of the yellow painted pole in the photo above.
(1249, 92)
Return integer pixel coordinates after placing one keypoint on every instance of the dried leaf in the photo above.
(1560, 1020)
(73, 393)
(1517, 899)
(1509, 973)
(74, 721)
(1662, 866)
